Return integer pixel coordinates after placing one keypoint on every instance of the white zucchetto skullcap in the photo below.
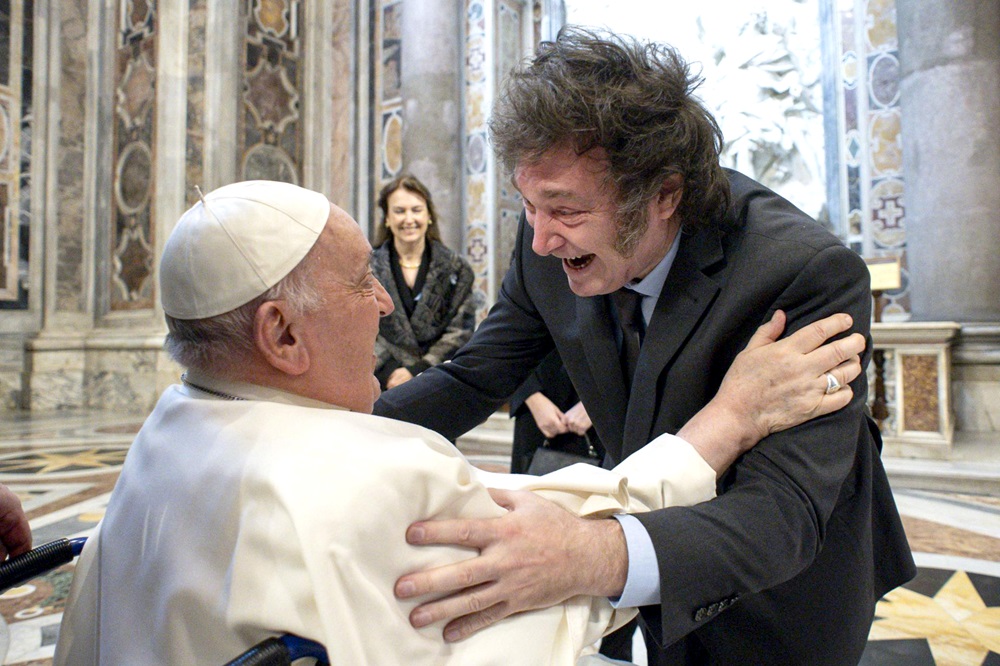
(237, 243)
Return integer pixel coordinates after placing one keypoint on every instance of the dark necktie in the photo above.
(629, 305)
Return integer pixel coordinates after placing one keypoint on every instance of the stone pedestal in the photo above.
(976, 379)
(124, 373)
(921, 420)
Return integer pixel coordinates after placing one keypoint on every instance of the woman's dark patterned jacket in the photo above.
(442, 321)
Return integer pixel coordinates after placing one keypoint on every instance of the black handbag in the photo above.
(562, 451)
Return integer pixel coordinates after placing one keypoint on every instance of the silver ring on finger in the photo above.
(832, 385)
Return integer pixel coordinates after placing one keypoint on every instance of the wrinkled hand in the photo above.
(772, 386)
(577, 419)
(397, 377)
(535, 556)
(782, 384)
(15, 534)
(548, 417)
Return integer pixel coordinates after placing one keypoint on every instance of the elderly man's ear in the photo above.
(276, 336)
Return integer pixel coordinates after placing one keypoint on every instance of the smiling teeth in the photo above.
(580, 262)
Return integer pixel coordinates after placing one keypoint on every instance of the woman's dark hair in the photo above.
(410, 183)
(635, 100)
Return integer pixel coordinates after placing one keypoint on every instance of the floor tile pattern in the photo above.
(63, 467)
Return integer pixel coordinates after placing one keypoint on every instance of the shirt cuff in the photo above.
(642, 584)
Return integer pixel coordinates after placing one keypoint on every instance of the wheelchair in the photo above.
(274, 651)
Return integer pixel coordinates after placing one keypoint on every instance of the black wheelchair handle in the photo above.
(37, 561)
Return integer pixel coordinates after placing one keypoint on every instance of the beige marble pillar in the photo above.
(432, 109)
(950, 93)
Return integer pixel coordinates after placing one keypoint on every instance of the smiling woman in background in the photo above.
(430, 286)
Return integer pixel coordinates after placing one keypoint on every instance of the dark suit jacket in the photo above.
(784, 567)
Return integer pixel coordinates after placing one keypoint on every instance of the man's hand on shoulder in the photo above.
(535, 556)
(774, 385)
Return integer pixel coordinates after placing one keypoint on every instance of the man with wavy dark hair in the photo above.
(625, 200)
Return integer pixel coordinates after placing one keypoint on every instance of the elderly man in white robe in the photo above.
(262, 497)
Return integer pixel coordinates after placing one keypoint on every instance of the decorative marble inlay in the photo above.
(277, 22)
(386, 92)
(134, 178)
(133, 263)
(272, 16)
(959, 616)
(478, 95)
(886, 144)
(6, 135)
(66, 462)
(266, 162)
(15, 150)
(849, 62)
(880, 24)
(195, 126)
(8, 277)
(270, 120)
(476, 152)
(137, 20)
(271, 97)
(132, 187)
(884, 79)
(392, 37)
(869, 185)
(887, 214)
(136, 91)
(392, 144)
(920, 386)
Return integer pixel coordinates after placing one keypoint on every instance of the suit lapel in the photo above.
(687, 294)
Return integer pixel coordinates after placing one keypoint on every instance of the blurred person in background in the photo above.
(430, 286)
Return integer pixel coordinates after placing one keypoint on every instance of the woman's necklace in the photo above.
(410, 265)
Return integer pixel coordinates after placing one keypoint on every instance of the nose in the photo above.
(546, 240)
(385, 306)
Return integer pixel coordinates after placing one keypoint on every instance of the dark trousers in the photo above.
(618, 644)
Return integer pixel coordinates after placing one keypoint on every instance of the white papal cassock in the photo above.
(236, 520)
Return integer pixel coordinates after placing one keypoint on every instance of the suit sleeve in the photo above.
(771, 516)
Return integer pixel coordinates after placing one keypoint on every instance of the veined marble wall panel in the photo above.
(270, 120)
(510, 47)
(123, 379)
(497, 36)
(121, 373)
(342, 148)
(133, 229)
(12, 72)
(870, 182)
(69, 269)
(478, 158)
(195, 144)
(387, 92)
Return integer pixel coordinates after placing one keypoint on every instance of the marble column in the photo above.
(432, 108)
(950, 93)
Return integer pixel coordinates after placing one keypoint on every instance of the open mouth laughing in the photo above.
(578, 263)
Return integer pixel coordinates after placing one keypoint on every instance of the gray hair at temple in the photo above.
(635, 100)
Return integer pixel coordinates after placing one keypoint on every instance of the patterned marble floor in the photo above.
(63, 467)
